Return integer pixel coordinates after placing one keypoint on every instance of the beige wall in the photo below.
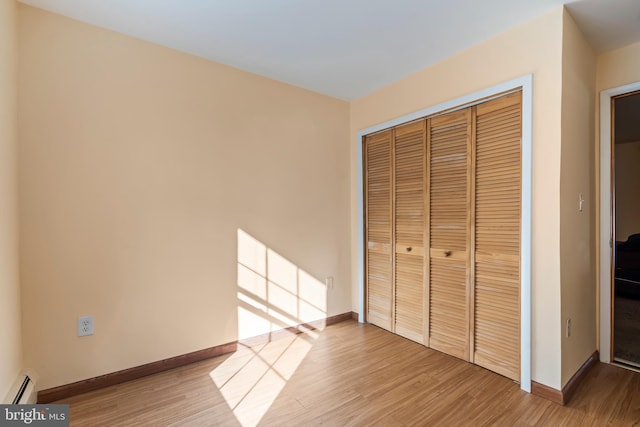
(618, 67)
(627, 172)
(10, 341)
(138, 166)
(534, 47)
(577, 228)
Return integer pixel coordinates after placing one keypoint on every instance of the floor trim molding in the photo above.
(572, 385)
(547, 392)
(562, 397)
(119, 377)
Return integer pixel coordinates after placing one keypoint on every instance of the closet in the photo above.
(442, 232)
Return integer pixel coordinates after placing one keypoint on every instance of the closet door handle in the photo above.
(447, 253)
(409, 248)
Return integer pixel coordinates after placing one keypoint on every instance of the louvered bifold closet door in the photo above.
(449, 182)
(409, 194)
(497, 236)
(379, 232)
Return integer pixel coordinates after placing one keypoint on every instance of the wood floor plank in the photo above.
(350, 375)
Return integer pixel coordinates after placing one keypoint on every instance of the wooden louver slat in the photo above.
(409, 182)
(497, 236)
(448, 231)
(379, 268)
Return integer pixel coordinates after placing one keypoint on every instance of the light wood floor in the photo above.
(350, 375)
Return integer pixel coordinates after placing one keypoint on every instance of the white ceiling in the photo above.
(607, 24)
(342, 48)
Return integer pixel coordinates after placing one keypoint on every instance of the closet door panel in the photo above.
(379, 229)
(409, 184)
(450, 142)
(497, 236)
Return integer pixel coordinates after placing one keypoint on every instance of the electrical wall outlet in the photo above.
(568, 328)
(329, 282)
(85, 326)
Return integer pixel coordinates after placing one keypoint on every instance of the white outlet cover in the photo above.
(329, 282)
(85, 326)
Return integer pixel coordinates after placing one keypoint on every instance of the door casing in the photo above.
(605, 233)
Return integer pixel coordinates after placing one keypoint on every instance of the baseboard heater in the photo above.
(23, 392)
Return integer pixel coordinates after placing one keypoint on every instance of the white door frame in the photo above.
(606, 216)
(526, 83)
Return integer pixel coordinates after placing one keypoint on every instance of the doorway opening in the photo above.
(606, 231)
(626, 228)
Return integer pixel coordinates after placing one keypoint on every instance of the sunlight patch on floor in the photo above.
(251, 379)
(273, 294)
